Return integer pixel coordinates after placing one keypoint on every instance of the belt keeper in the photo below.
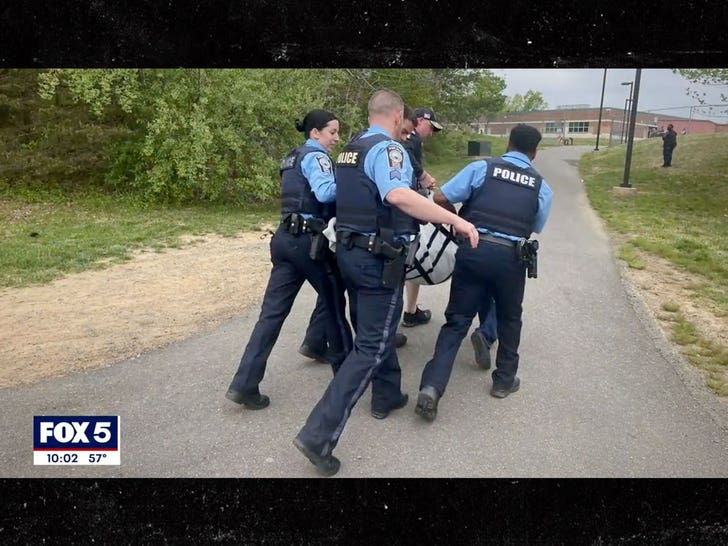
(370, 244)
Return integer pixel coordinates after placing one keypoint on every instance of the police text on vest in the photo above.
(512, 176)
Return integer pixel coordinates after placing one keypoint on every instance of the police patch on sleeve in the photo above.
(395, 157)
(324, 164)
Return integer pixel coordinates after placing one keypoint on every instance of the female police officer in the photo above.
(298, 253)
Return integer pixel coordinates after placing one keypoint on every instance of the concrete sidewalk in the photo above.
(600, 394)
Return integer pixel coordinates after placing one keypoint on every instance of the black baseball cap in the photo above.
(429, 115)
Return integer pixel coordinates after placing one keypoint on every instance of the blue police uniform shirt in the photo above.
(461, 186)
(379, 168)
(318, 169)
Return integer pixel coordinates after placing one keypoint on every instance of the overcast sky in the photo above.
(659, 89)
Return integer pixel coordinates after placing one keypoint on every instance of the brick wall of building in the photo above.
(584, 121)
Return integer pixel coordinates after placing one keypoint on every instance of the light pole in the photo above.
(632, 121)
(627, 103)
(601, 105)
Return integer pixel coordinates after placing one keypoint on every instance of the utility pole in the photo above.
(632, 121)
(601, 105)
(625, 120)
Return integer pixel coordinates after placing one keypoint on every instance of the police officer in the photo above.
(298, 253)
(425, 125)
(507, 200)
(374, 207)
(314, 342)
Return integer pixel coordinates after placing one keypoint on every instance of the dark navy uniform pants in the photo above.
(488, 271)
(378, 313)
(488, 324)
(315, 336)
(291, 267)
(667, 156)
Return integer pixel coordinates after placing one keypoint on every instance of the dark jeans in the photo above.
(378, 313)
(667, 157)
(489, 271)
(291, 267)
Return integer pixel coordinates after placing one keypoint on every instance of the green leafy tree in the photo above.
(456, 95)
(487, 97)
(531, 101)
(705, 76)
(203, 134)
(218, 135)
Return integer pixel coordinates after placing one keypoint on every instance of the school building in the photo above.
(583, 121)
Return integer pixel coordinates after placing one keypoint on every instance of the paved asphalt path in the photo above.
(602, 395)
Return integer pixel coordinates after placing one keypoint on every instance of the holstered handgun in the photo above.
(319, 247)
(393, 271)
(528, 254)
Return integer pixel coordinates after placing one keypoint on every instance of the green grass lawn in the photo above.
(50, 235)
(678, 213)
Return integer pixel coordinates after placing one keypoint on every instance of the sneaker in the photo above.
(420, 316)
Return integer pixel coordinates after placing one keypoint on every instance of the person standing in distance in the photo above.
(507, 200)
(374, 209)
(669, 142)
(307, 189)
(425, 126)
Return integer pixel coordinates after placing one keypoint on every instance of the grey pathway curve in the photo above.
(598, 398)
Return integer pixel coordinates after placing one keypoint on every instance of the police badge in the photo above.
(324, 164)
(394, 154)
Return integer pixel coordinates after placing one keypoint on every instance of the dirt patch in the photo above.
(662, 283)
(94, 318)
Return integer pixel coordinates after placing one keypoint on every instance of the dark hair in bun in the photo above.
(315, 119)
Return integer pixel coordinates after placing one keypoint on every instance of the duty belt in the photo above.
(373, 243)
(497, 240)
(295, 224)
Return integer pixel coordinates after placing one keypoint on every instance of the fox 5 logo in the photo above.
(76, 432)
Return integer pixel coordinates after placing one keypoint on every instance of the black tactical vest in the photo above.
(359, 207)
(507, 202)
(296, 193)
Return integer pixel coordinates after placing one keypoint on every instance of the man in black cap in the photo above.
(427, 124)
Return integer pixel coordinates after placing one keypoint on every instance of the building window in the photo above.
(552, 128)
(578, 126)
